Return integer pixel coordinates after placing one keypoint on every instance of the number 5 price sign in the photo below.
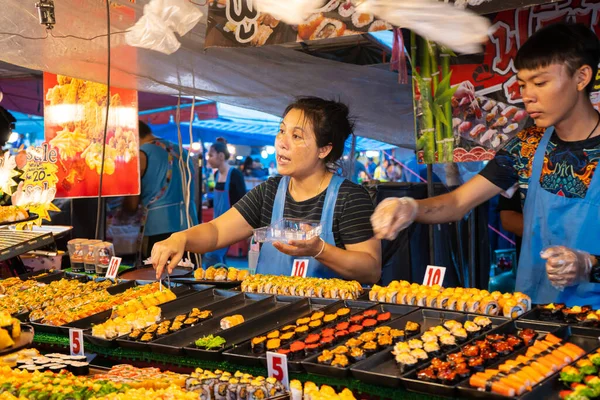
(434, 275)
(277, 368)
(76, 342)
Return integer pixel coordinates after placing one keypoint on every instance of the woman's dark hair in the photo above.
(144, 129)
(330, 121)
(574, 45)
(220, 146)
(7, 124)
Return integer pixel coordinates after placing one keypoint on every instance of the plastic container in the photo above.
(89, 261)
(103, 252)
(76, 249)
(288, 229)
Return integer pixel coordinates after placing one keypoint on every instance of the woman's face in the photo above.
(296, 146)
(215, 159)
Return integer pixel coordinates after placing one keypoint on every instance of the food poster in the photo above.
(74, 118)
(485, 100)
(237, 23)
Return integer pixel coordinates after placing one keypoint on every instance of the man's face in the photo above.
(549, 93)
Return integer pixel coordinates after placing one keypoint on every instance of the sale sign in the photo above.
(74, 122)
(300, 267)
(434, 275)
(76, 342)
(277, 368)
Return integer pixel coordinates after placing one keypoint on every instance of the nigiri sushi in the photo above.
(478, 130)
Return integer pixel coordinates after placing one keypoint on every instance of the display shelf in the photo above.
(16, 243)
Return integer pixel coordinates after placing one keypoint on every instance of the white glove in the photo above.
(393, 215)
(567, 267)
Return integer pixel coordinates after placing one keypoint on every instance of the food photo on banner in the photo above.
(238, 23)
(75, 113)
(467, 107)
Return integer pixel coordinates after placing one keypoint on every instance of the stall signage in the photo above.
(278, 368)
(434, 275)
(76, 342)
(113, 268)
(300, 267)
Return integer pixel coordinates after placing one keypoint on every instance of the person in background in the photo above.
(161, 198)
(394, 172)
(359, 168)
(310, 142)
(258, 170)
(272, 169)
(511, 217)
(247, 166)
(371, 166)
(229, 189)
(7, 124)
(380, 173)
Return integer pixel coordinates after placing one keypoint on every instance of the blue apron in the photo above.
(221, 205)
(273, 262)
(551, 220)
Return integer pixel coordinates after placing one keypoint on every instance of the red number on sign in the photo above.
(277, 369)
(76, 342)
(433, 277)
(300, 268)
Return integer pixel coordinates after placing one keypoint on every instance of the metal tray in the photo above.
(180, 291)
(169, 310)
(534, 316)
(250, 305)
(588, 343)
(381, 368)
(242, 353)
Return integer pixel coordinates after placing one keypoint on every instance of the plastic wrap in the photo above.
(151, 32)
(292, 12)
(179, 15)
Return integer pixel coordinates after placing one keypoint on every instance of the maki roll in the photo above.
(397, 335)
(370, 347)
(419, 354)
(220, 388)
(432, 349)
(368, 336)
(447, 341)
(406, 362)
(370, 313)
(477, 364)
(288, 328)
(329, 318)
(412, 328)
(162, 331)
(357, 319)
(401, 347)
(284, 351)
(354, 342)
(340, 350)
(383, 330)
(287, 337)
(258, 344)
(56, 368)
(273, 344)
(452, 324)
(312, 338)
(79, 368)
(342, 326)
(484, 322)
(273, 335)
(384, 340)
(312, 349)
(147, 337)
(357, 354)
(572, 315)
(317, 315)
(461, 335)
(472, 328)
(327, 341)
(327, 332)
(315, 324)
(301, 330)
(180, 318)
(341, 335)
(429, 336)
(303, 321)
(528, 336)
(343, 312)
(440, 330)
(447, 377)
(384, 317)
(415, 344)
(427, 375)
(514, 342)
(495, 337)
(369, 323)
(456, 358)
(176, 326)
(340, 361)
(326, 358)
(551, 312)
(502, 348)
(297, 350)
(135, 334)
(355, 329)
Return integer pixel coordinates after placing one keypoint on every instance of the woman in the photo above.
(311, 139)
(229, 189)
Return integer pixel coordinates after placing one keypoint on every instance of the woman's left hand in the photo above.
(300, 248)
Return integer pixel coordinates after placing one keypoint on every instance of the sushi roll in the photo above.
(361, 20)
(406, 362)
(288, 328)
(383, 330)
(312, 338)
(452, 324)
(489, 306)
(317, 315)
(221, 274)
(257, 390)
(502, 348)
(135, 334)
(242, 274)
(369, 323)
(432, 349)
(419, 354)
(384, 317)
(303, 321)
(472, 328)
(370, 313)
(343, 312)
(384, 340)
(357, 319)
(315, 324)
(258, 344)
(190, 321)
(354, 342)
(296, 390)
(340, 361)
(147, 337)
(431, 300)
(301, 330)
(484, 322)
(429, 336)
(329, 318)
(342, 326)
(232, 274)
(340, 350)
(220, 388)
(326, 358)
(176, 326)
(368, 336)
(273, 344)
(412, 328)
(447, 341)
(357, 354)
(355, 328)
(477, 364)
(232, 388)
(427, 375)
(312, 349)
(297, 350)
(328, 28)
(401, 347)
(209, 273)
(447, 377)
(328, 332)
(461, 335)
(397, 335)
(80, 368)
(341, 335)
(287, 337)
(415, 344)
(241, 392)
(273, 334)
(473, 304)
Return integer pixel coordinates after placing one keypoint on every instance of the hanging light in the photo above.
(270, 150)
(196, 146)
(231, 149)
(264, 154)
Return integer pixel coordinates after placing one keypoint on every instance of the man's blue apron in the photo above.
(272, 261)
(221, 205)
(551, 220)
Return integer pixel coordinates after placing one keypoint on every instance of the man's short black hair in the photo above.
(144, 129)
(574, 45)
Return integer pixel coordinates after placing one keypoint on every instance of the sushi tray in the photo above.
(190, 280)
(179, 291)
(531, 372)
(381, 368)
(43, 275)
(179, 319)
(582, 319)
(182, 305)
(241, 313)
(253, 351)
(24, 340)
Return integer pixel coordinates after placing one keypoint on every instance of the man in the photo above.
(161, 195)
(553, 166)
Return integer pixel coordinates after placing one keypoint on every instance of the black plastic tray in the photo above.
(219, 284)
(251, 306)
(534, 316)
(54, 273)
(22, 341)
(588, 343)
(180, 291)
(171, 309)
(381, 368)
(242, 353)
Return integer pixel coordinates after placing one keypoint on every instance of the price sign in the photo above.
(300, 267)
(434, 275)
(76, 342)
(113, 268)
(277, 368)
